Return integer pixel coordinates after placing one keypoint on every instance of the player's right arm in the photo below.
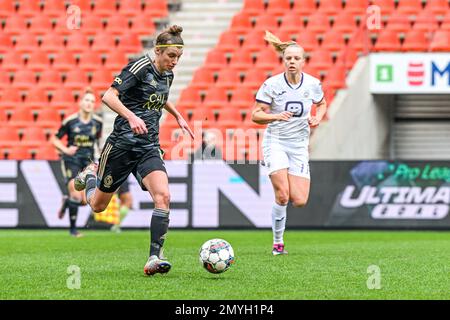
(56, 140)
(111, 99)
(260, 114)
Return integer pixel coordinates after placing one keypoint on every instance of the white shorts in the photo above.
(286, 155)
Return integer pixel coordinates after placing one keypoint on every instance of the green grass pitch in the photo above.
(320, 265)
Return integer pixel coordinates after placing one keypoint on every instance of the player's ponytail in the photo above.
(279, 45)
(171, 37)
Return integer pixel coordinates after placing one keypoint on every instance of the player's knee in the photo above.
(299, 202)
(282, 197)
(98, 207)
(162, 199)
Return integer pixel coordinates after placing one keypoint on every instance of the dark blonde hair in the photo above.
(279, 45)
(170, 36)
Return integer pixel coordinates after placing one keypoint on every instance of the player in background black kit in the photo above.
(138, 95)
(83, 130)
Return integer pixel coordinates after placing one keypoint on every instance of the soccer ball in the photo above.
(216, 255)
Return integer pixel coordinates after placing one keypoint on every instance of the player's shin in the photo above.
(278, 222)
(73, 205)
(158, 229)
(91, 182)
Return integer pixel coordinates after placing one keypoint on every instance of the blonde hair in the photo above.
(279, 45)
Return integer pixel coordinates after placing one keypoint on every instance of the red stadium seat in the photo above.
(12, 61)
(241, 23)
(49, 118)
(304, 7)
(40, 25)
(24, 79)
(229, 41)
(359, 41)
(254, 78)
(315, 72)
(5, 43)
(330, 7)
(103, 42)
(36, 98)
(130, 43)
(416, 41)
(90, 61)
(215, 98)
(291, 22)
(38, 61)
(9, 135)
(228, 78)
(62, 100)
(307, 40)
(91, 25)
(398, 22)
(143, 25)
(437, 7)
(77, 42)
(333, 40)
(21, 117)
(50, 79)
(266, 22)
(65, 27)
(254, 40)
(6, 8)
(15, 25)
(356, 7)
(84, 5)
(386, 6)
(318, 23)
(203, 79)
(64, 61)
(18, 153)
(116, 60)
(344, 22)
(102, 79)
(410, 6)
(241, 60)
(387, 41)
(26, 43)
(117, 25)
(446, 23)
(10, 99)
(278, 7)
(189, 98)
(215, 59)
(54, 8)
(33, 137)
(104, 8)
(243, 98)
(335, 77)
(29, 8)
(156, 8)
(52, 43)
(320, 59)
(440, 41)
(426, 22)
(267, 59)
(348, 57)
(76, 79)
(130, 8)
(254, 7)
(46, 152)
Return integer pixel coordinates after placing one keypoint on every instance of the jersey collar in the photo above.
(285, 79)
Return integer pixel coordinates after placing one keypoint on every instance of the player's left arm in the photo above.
(170, 107)
(321, 109)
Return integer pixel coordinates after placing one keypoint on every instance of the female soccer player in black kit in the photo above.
(138, 95)
(83, 129)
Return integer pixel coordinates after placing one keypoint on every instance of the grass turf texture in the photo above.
(320, 265)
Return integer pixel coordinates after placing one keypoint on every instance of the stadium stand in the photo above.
(46, 62)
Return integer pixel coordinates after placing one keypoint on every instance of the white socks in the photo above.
(278, 222)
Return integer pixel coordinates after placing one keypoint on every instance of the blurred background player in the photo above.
(284, 102)
(138, 95)
(83, 130)
(126, 201)
(209, 149)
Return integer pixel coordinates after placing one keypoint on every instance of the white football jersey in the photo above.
(282, 96)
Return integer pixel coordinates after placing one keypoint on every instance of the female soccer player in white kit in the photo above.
(284, 102)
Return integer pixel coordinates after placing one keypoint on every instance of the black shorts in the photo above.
(116, 165)
(124, 188)
(71, 167)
